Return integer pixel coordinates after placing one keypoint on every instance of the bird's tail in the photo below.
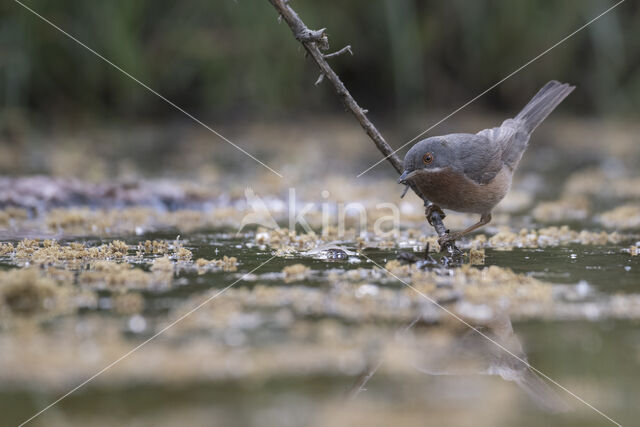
(542, 104)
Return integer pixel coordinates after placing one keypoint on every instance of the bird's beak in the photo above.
(403, 177)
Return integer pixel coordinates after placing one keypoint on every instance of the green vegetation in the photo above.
(232, 58)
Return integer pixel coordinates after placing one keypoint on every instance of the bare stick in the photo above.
(315, 41)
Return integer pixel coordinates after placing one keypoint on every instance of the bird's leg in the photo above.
(429, 209)
(452, 237)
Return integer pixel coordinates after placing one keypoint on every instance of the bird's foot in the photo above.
(448, 239)
(429, 209)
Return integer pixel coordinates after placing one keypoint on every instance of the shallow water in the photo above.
(286, 344)
(606, 267)
(596, 359)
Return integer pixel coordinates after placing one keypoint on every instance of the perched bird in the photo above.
(472, 172)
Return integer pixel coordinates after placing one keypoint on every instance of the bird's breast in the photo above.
(453, 190)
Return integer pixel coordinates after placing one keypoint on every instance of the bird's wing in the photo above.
(478, 156)
(502, 135)
(512, 139)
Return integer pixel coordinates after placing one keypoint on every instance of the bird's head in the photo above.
(429, 155)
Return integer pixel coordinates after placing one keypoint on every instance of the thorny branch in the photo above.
(316, 41)
(347, 48)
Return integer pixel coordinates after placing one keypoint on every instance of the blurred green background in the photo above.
(232, 60)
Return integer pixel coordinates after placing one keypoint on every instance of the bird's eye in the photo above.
(427, 158)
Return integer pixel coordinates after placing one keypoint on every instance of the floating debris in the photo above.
(550, 236)
(34, 293)
(128, 303)
(183, 254)
(27, 292)
(163, 265)
(228, 264)
(288, 242)
(6, 249)
(296, 272)
(476, 256)
(121, 277)
(50, 252)
(574, 208)
(155, 247)
(74, 255)
(596, 182)
(11, 215)
(624, 217)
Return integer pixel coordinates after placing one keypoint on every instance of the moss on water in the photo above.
(228, 264)
(322, 308)
(551, 236)
(295, 272)
(26, 292)
(622, 217)
(573, 208)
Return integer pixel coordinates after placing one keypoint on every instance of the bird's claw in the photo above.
(429, 209)
(449, 238)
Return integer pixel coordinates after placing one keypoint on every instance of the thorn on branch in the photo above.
(320, 79)
(279, 18)
(306, 35)
(347, 48)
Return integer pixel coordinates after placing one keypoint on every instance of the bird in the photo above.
(472, 173)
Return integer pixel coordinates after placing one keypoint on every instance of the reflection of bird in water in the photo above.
(260, 215)
(470, 353)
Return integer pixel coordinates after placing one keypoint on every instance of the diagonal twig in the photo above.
(316, 41)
